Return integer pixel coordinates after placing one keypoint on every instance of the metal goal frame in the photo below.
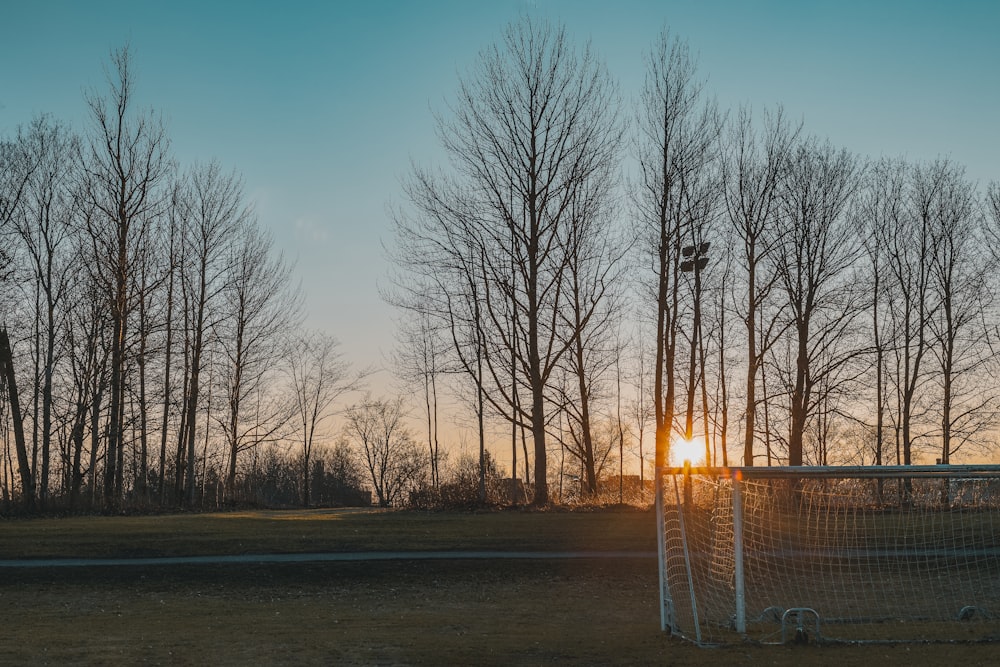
(695, 537)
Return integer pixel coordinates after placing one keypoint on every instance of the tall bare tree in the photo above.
(879, 208)
(44, 223)
(909, 260)
(214, 211)
(677, 129)
(815, 262)
(532, 124)
(754, 167)
(594, 287)
(172, 230)
(960, 270)
(125, 162)
(258, 310)
(16, 168)
(441, 284)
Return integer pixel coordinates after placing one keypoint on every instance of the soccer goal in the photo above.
(781, 554)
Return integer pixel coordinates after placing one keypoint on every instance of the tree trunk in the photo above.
(23, 464)
(800, 399)
(117, 383)
(751, 407)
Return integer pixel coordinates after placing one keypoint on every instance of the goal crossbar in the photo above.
(839, 472)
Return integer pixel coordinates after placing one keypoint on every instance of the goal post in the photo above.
(853, 553)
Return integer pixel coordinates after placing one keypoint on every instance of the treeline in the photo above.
(588, 272)
(151, 344)
(587, 284)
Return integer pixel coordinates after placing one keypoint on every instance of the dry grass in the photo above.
(590, 612)
(302, 531)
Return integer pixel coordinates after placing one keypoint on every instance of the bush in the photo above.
(461, 488)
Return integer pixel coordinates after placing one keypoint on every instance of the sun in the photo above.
(682, 450)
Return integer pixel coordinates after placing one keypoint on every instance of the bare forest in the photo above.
(589, 281)
(617, 281)
(152, 345)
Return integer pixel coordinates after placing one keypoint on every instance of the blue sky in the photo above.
(323, 105)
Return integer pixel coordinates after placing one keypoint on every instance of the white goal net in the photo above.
(830, 554)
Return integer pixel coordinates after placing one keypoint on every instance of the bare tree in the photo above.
(124, 161)
(594, 287)
(258, 308)
(420, 362)
(16, 168)
(441, 284)
(878, 209)
(532, 125)
(44, 225)
(753, 170)
(814, 263)
(909, 261)
(319, 376)
(677, 129)
(714, 354)
(213, 213)
(393, 460)
(960, 270)
(173, 247)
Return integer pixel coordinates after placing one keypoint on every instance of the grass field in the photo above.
(498, 612)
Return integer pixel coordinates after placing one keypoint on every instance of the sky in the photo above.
(324, 106)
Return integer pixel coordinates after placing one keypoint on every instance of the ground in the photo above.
(505, 612)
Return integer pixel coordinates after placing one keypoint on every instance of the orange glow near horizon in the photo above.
(682, 450)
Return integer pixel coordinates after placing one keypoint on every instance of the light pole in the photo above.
(695, 260)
